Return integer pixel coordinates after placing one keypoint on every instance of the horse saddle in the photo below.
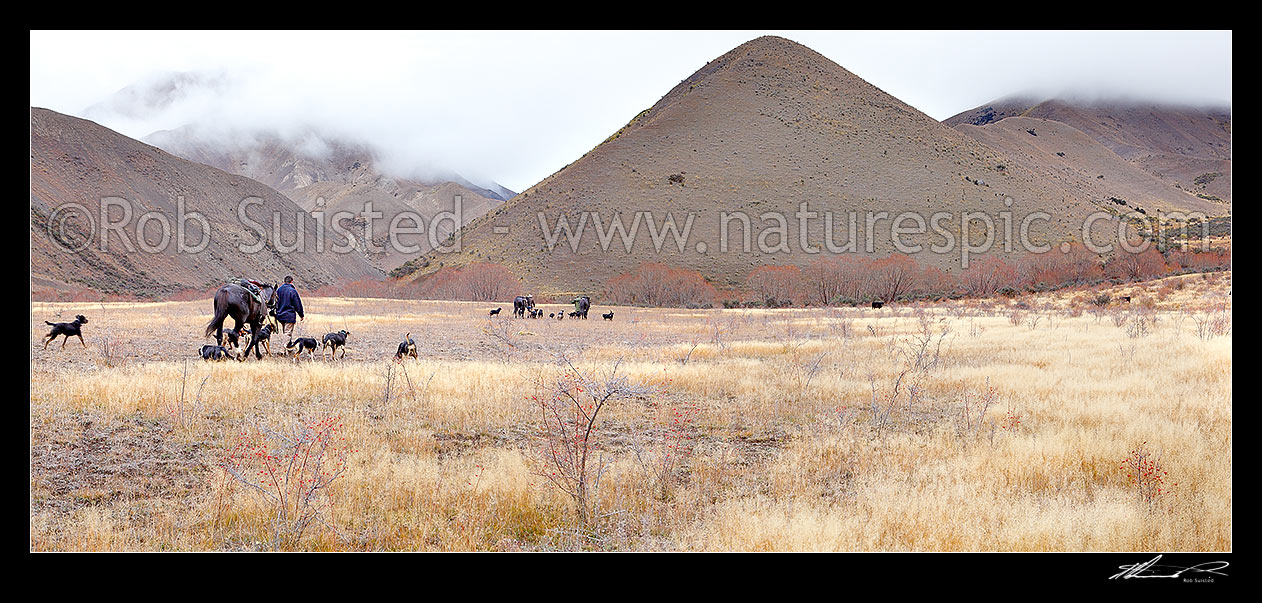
(250, 286)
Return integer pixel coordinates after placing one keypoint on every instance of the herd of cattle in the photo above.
(524, 307)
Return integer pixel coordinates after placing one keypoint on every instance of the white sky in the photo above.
(514, 107)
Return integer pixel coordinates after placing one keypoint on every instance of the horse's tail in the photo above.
(221, 312)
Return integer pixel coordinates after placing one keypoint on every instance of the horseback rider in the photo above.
(288, 307)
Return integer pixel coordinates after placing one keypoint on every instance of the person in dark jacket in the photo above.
(288, 307)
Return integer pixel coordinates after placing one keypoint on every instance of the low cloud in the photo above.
(513, 107)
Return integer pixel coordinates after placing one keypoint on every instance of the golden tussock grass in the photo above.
(789, 450)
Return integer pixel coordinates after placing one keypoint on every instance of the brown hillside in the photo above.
(762, 128)
(77, 161)
(1188, 147)
(1064, 154)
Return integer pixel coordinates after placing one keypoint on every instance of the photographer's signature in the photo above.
(1150, 569)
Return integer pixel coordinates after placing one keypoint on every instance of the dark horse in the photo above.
(235, 301)
(523, 303)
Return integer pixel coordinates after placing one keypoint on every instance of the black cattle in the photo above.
(581, 306)
(521, 304)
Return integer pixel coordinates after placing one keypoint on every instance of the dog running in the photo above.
(335, 341)
(495, 311)
(407, 348)
(608, 316)
(67, 329)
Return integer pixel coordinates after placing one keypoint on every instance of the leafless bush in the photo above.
(1214, 322)
(667, 447)
(570, 456)
(924, 349)
(885, 399)
(686, 357)
(843, 328)
(110, 351)
(805, 369)
(717, 331)
(1118, 317)
(1140, 324)
(291, 469)
(972, 418)
(504, 336)
(182, 410)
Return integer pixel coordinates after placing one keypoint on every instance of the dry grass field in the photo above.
(994, 425)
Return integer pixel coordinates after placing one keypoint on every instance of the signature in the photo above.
(1150, 569)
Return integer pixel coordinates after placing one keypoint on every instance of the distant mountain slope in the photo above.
(1067, 155)
(343, 176)
(1188, 147)
(77, 161)
(763, 128)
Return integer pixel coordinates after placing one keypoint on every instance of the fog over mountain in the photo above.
(514, 107)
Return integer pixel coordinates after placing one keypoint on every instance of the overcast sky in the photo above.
(514, 107)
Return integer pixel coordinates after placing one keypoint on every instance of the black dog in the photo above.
(407, 348)
(263, 338)
(496, 311)
(232, 342)
(302, 345)
(335, 341)
(608, 316)
(67, 329)
(215, 352)
(573, 314)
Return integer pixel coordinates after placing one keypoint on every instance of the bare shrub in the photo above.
(972, 418)
(1146, 474)
(775, 285)
(654, 284)
(110, 351)
(291, 470)
(503, 334)
(569, 455)
(481, 281)
(1214, 322)
(668, 447)
(1140, 324)
(1016, 317)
